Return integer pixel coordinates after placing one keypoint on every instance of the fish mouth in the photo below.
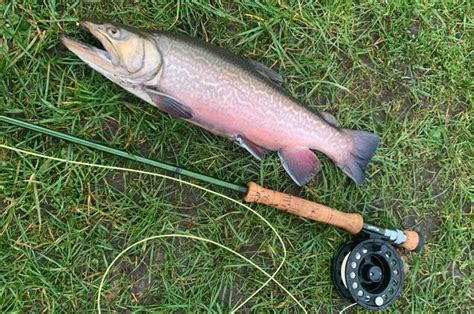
(105, 59)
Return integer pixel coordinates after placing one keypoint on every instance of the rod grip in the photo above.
(350, 222)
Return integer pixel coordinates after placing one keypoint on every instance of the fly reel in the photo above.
(368, 271)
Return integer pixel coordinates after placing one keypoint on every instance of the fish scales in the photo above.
(254, 101)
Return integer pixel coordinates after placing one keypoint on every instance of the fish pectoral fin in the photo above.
(300, 163)
(169, 104)
(270, 74)
(256, 151)
(329, 118)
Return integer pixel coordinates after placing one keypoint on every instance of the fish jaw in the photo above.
(96, 58)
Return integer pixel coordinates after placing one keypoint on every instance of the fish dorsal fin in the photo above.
(270, 74)
(300, 163)
(256, 151)
(169, 104)
(329, 118)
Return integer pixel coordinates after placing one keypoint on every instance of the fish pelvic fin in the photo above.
(255, 150)
(300, 163)
(364, 145)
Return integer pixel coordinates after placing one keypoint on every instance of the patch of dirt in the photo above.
(452, 110)
(427, 178)
(189, 223)
(297, 190)
(365, 58)
(118, 241)
(110, 128)
(151, 299)
(47, 204)
(138, 199)
(249, 249)
(381, 115)
(454, 270)
(116, 180)
(230, 295)
(58, 50)
(467, 207)
(426, 225)
(144, 147)
(426, 102)
(187, 198)
(414, 29)
(375, 38)
(3, 204)
(141, 280)
(345, 62)
(320, 100)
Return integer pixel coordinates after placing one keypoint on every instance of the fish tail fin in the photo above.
(364, 145)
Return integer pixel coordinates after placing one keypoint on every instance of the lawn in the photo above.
(402, 71)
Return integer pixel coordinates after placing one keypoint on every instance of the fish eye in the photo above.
(113, 32)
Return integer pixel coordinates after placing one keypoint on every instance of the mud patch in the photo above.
(427, 178)
(367, 60)
(297, 190)
(141, 280)
(47, 204)
(249, 250)
(144, 147)
(229, 294)
(3, 204)
(458, 274)
(136, 278)
(413, 29)
(426, 225)
(116, 180)
(101, 130)
(110, 128)
(188, 199)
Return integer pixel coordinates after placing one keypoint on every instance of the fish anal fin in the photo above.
(270, 74)
(256, 151)
(300, 163)
(169, 104)
(329, 118)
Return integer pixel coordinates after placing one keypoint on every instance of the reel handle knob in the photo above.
(352, 223)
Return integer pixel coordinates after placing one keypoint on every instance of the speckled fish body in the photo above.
(225, 94)
(230, 98)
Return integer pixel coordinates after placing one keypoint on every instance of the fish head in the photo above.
(129, 54)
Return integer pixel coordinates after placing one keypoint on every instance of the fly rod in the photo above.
(366, 270)
(351, 222)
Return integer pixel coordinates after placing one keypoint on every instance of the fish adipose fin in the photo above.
(256, 151)
(329, 118)
(364, 145)
(300, 163)
(169, 104)
(270, 74)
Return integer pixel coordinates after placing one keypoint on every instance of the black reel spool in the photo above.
(368, 271)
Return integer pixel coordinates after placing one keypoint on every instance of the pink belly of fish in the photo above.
(227, 108)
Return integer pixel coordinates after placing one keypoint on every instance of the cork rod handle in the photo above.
(352, 223)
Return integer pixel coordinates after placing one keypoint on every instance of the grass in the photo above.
(400, 70)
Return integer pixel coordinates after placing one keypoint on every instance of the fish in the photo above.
(226, 94)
